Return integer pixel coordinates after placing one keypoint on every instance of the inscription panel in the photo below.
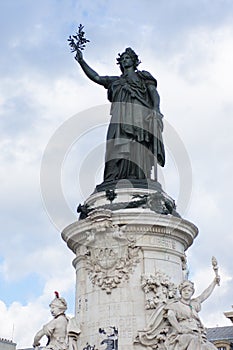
(160, 242)
(163, 242)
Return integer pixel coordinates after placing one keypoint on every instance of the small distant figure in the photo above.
(62, 332)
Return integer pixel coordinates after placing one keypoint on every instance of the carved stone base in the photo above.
(126, 260)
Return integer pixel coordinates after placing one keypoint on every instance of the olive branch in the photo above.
(78, 41)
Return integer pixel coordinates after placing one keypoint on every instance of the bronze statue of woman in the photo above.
(134, 138)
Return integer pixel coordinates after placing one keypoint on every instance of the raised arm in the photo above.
(207, 292)
(90, 73)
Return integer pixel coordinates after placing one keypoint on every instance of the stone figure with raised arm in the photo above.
(62, 332)
(188, 332)
(134, 138)
(176, 325)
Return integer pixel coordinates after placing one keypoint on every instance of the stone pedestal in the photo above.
(129, 257)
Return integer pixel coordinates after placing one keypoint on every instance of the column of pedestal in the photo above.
(126, 260)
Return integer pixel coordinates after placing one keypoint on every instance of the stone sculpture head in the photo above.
(132, 54)
(187, 288)
(58, 305)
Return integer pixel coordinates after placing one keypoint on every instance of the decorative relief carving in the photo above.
(111, 263)
(145, 228)
(158, 202)
(111, 254)
(158, 289)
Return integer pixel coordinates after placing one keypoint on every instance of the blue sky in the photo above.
(188, 47)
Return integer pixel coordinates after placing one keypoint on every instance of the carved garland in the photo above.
(158, 289)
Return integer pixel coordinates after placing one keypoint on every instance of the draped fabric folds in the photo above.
(135, 128)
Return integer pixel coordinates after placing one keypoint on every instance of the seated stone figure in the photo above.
(188, 331)
(61, 332)
(176, 325)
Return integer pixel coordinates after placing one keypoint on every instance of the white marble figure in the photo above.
(188, 332)
(175, 325)
(62, 332)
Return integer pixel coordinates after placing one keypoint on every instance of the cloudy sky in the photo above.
(44, 105)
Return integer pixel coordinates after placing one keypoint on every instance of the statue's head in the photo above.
(186, 284)
(58, 305)
(132, 54)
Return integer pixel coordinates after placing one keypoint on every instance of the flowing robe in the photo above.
(159, 332)
(194, 335)
(131, 138)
